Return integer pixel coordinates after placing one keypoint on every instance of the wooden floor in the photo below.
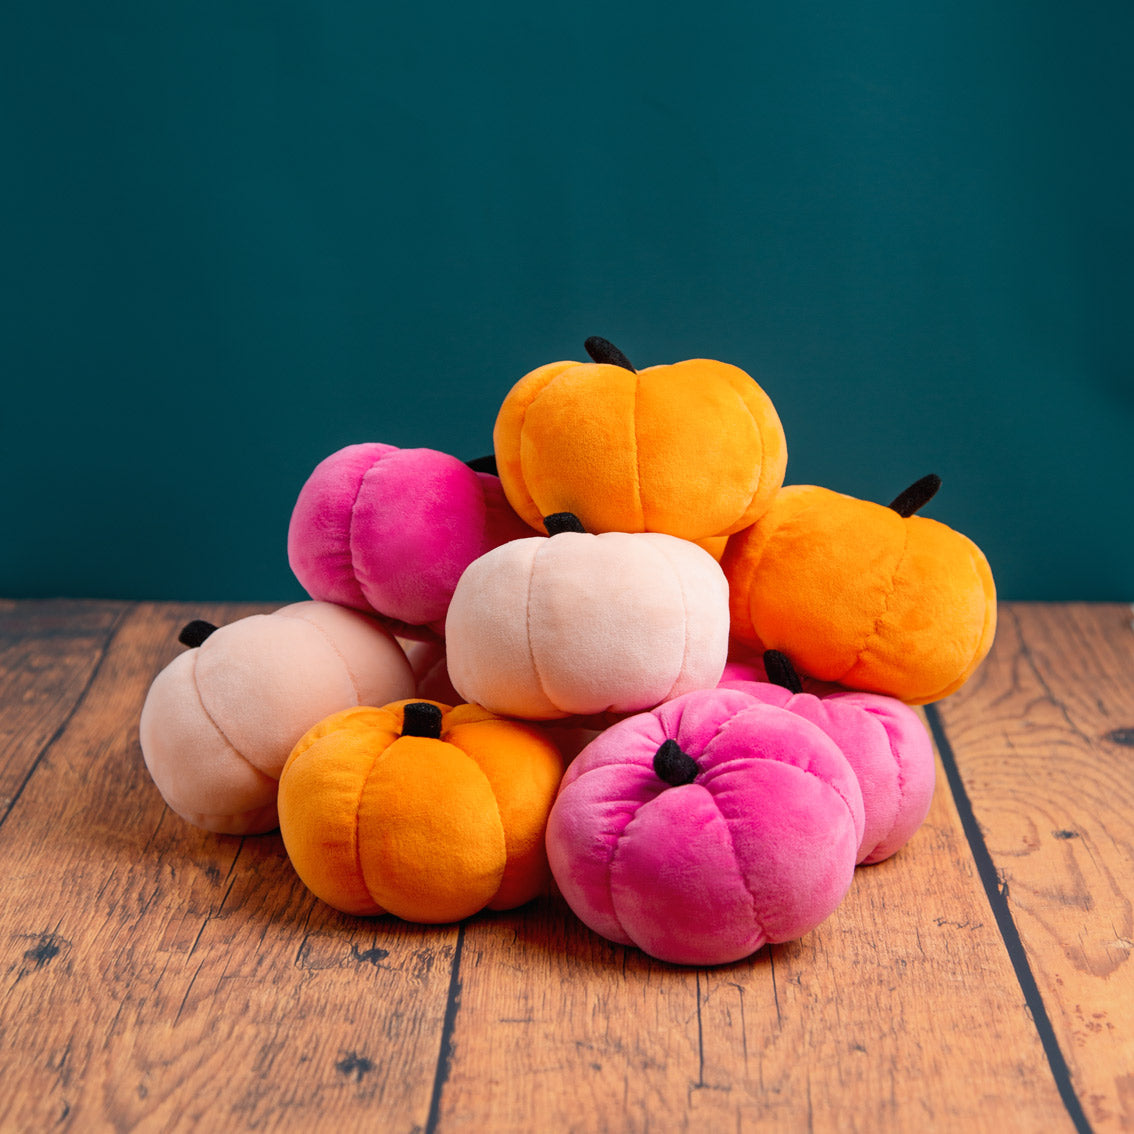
(156, 977)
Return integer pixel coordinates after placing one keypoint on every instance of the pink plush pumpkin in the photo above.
(572, 624)
(883, 740)
(706, 828)
(219, 721)
(390, 530)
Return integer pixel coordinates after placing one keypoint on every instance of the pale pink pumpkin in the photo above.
(220, 720)
(706, 828)
(574, 624)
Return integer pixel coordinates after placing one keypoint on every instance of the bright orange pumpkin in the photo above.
(427, 812)
(694, 449)
(872, 597)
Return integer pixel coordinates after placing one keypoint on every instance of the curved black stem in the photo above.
(673, 765)
(195, 632)
(602, 350)
(781, 672)
(916, 496)
(559, 522)
(422, 719)
(484, 464)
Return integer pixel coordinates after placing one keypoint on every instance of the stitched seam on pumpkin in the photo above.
(350, 537)
(876, 628)
(901, 791)
(528, 629)
(609, 872)
(685, 611)
(358, 823)
(355, 685)
(760, 470)
(740, 873)
(805, 769)
(637, 452)
(212, 720)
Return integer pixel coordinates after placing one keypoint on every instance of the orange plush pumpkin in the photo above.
(875, 598)
(694, 449)
(423, 811)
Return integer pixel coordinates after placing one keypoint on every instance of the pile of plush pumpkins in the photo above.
(618, 661)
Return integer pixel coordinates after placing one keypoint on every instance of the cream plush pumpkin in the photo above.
(574, 624)
(219, 721)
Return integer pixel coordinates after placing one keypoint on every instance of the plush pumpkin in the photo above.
(390, 530)
(884, 742)
(569, 734)
(872, 597)
(574, 624)
(694, 449)
(706, 828)
(427, 812)
(219, 721)
(746, 664)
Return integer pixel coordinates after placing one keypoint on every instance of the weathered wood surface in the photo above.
(1044, 736)
(156, 977)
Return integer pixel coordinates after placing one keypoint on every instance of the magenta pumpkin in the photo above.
(883, 740)
(389, 531)
(706, 828)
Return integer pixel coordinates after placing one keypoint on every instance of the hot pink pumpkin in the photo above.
(706, 828)
(884, 742)
(574, 624)
(390, 530)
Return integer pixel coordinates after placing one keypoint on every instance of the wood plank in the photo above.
(1042, 737)
(901, 1012)
(156, 976)
(48, 652)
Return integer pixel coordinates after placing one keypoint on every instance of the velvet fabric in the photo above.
(760, 847)
(390, 530)
(857, 595)
(430, 829)
(885, 744)
(219, 721)
(569, 734)
(577, 624)
(694, 449)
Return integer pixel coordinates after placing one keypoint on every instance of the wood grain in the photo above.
(48, 652)
(900, 1012)
(158, 977)
(1042, 737)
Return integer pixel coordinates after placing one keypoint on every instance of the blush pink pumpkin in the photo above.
(390, 530)
(220, 720)
(573, 624)
(706, 828)
(883, 740)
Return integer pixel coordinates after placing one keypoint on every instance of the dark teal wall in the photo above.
(239, 236)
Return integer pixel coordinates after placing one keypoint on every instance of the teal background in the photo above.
(239, 236)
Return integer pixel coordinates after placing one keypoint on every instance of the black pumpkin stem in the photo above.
(916, 496)
(422, 719)
(195, 632)
(781, 672)
(606, 352)
(484, 464)
(673, 765)
(559, 522)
